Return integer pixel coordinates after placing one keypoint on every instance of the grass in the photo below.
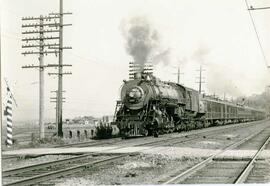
(36, 142)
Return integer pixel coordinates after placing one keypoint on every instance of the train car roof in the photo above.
(190, 89)
(184, 87)
(232, 104)
(215, 100)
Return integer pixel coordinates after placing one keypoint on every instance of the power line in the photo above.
(41, 44)
(257, 34)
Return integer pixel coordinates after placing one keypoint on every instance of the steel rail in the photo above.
(245, 173)
(43, 165)
(200, 165)
(77, 158)
(62, 172)
(42, 177)
(11, 172)
(89, 143)
(82, 144)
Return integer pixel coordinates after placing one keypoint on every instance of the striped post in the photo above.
(9, 119)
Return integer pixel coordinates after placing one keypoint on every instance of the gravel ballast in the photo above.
(139, 169)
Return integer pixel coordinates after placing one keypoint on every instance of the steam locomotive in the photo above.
(149, 106)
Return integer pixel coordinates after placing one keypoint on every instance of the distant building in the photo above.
(85, 120)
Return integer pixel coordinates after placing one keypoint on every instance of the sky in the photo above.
(215, 34)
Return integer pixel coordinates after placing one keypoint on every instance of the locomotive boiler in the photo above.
(149, 106)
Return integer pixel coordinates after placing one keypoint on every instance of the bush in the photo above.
(104, 132)
(36, 142)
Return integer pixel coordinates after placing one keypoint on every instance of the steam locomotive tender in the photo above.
(149, 106)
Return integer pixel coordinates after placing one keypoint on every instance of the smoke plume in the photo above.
(161, 57)
(143, 42)
(201, 54)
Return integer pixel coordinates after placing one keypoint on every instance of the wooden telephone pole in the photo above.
(59, 106)
(200, 79)
(42, 25)
(54, 100)
(178, 74)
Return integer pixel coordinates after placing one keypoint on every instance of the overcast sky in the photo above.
(217, 34)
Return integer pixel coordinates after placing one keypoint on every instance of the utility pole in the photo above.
(59, 98)
(42, 23)
(41, 81)
(200, 79)
(178, 74)
(60, 75)
(200, 84)
(53, 25)
(54, 100)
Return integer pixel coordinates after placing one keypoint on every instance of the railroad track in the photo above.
(115, 140)
(112, 141)
(90, 143)
(218, 169)
(50, 170)
(45, 171)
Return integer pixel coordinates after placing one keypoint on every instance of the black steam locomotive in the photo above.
(150, 106)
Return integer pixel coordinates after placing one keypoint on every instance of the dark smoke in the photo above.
(143, 42)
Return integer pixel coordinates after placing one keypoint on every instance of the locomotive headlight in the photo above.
(135, 94)
(131, 94)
